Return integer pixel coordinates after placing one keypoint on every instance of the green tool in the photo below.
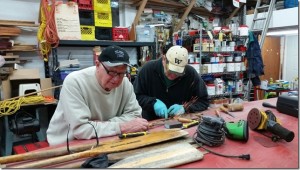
(237, 130)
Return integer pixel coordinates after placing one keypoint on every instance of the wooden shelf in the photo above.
(79, 43)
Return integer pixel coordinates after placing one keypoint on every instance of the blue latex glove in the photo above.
(176, 109)
(160, 109)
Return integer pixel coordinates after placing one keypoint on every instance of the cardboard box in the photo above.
(10, 87)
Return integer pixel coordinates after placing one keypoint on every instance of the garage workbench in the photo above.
(264, 153)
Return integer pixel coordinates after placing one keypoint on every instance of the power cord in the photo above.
(68, 146)
(210, 132)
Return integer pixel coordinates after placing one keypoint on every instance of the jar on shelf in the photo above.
(211, 90)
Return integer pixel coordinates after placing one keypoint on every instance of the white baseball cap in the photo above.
(178, 59)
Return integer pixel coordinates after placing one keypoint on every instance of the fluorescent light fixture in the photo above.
(283, 32)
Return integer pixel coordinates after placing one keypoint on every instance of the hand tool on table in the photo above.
(237, 130)
(184, 120)
(260, 120)
(217, 113)
(223, 109)
(187, 123)
(130, 135)
(233, 107)
(265, 104)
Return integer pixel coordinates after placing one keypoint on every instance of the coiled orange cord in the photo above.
(47, 34)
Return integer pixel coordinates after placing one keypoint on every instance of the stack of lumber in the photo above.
(8, 67)
(18, 23)
(23, 48)
(9, 31)
(10, 28)
(10, 58)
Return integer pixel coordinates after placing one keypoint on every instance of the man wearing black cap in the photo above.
(164, 85)
(97, 99)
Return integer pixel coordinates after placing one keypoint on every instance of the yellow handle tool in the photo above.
(188, 125)
(130, 135)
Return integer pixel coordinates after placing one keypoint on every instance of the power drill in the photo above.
(237, 130)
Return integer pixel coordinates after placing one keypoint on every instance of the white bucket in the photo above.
(211, 89)
(221, 67)
(230, 66)
(223, 43)
(243, 30)
(237, 66)
(238, 58)
(208, 67)
(217, 43)
(229, 59)
(214, 67)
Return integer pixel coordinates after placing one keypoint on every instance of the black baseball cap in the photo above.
(114, 56)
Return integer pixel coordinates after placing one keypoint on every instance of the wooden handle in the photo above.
(44, 153)
(56, 160)
(184, 120)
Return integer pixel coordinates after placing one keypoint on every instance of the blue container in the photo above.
(290, 3)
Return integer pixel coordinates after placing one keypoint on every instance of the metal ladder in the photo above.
(268, 9)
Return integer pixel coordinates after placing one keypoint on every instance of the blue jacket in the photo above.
(255, 62)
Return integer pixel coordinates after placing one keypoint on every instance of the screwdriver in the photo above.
(135, 134)
(188, 125)
(223, 109)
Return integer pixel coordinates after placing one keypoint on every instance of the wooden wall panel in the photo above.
(271, 59)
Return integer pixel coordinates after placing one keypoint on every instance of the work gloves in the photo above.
(176, 109)
(161, 110)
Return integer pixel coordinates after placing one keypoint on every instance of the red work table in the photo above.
(281, 155)
(263, 151)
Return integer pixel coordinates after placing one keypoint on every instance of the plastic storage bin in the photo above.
(145, 33)
(87, 32)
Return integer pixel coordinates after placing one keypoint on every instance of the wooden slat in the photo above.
(6, 70)
(10, 56)
(139, 12)
(165, 157)
(132, 32)
(233, 13)
(12, 62)
(186, 12)
(18, 23)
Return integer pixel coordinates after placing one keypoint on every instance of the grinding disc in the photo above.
(254, 118)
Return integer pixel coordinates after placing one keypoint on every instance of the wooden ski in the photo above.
(166, 157)
(114, 146)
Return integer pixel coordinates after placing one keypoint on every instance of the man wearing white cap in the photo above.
(164, 85)
(97, 101)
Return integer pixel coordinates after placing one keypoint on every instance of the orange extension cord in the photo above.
(47, 34)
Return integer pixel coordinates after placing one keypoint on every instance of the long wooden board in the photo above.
(166, 157)
(18, 23)
(115, 146)
(117, 156)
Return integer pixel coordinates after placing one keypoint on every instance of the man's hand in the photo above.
(176, 109)
(160, 109)
(135, 125)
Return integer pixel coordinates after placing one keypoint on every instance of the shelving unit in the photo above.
(225, 95)
(78, 43)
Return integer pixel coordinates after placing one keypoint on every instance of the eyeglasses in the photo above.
(113, 73)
